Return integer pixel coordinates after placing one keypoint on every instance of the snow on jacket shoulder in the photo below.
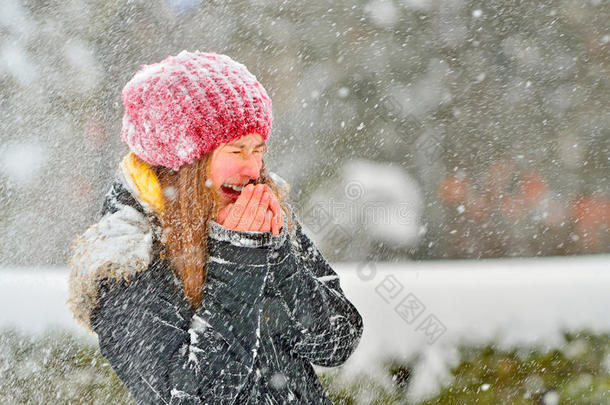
(271, 307)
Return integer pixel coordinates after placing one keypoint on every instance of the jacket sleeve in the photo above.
(164, 352)
(325, 326)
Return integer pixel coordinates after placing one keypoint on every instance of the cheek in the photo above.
(224, 167)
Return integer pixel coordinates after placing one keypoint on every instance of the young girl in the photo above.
(198, 279)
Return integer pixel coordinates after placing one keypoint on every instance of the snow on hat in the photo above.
(186, 105)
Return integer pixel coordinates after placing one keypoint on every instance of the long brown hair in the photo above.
(189, 205)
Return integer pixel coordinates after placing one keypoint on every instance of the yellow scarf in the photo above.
(143, 181)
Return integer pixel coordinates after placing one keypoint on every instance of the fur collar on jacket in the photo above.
(117, 247)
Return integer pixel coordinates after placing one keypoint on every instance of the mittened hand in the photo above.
(256, 209)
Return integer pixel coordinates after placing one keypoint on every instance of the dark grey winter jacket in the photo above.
(271, 306)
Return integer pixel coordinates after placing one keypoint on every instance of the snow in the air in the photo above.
(453, 156)
(22, 162)
(518, 300)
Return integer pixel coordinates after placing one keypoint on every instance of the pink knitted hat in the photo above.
(183, 107)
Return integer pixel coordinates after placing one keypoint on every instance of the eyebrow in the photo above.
(241, 145)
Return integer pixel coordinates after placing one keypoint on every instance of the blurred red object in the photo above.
(591, 217)
(80, 188)
(591, 211)
(532, 187)
(453, 189)
(95, 132)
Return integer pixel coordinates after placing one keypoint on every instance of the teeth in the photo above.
(236, 188)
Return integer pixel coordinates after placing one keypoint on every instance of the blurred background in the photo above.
(454, 129)
(409, 131)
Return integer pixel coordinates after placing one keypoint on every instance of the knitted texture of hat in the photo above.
(185, 106)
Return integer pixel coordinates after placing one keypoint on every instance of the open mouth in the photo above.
(232, 191)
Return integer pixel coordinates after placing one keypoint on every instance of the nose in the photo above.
(251, 167)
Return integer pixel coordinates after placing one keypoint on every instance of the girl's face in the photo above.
(236, 163)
